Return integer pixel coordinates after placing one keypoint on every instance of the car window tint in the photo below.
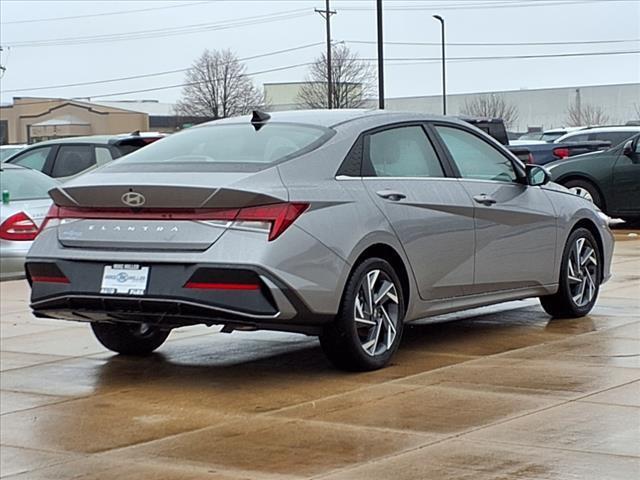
(103, 155)
(34, 159)
(474, 157)
(72, 159)
(403, 152)
(615, 138)
(25, 184)
(583, 137)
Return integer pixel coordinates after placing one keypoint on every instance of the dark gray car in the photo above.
(343, 224)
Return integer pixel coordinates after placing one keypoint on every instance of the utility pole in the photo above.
(579, 107)
(444, 66)
(2, 67)
(380, 57)
(326, 14)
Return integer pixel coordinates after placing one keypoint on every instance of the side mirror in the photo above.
(630, 148)
(537, 175)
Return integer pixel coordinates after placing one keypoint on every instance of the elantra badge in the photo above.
(133, 199)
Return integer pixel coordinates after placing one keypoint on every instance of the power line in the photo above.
(164, 32)
(105, 14)
(475, 5)
(157, 74)
(497, 44)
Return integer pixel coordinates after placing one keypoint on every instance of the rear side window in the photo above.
(475, 158)
(73, 159)
(34, 159)
(25, 184)
(103, 155)
(403, 152)
(233, 143)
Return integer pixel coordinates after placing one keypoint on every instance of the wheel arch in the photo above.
(388, 253)
(584, 178)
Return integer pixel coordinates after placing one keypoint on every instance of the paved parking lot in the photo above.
(501, 393)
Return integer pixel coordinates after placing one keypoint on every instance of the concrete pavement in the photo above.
(501, 393)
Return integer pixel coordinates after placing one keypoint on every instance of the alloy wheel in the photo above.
(582, 272)
(376, 312)
(582, 192)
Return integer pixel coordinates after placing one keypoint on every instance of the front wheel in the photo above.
(580, 275)
(129, 339)
(368, 328)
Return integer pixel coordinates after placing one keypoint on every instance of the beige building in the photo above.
(32, 119)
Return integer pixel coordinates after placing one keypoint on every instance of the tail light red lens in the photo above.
(18, 227)
(278, 216)
(561, 152)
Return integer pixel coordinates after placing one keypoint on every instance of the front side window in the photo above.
(33, 159)
(231, 143)
(73, 159)
(403, 152)
(616, 138)
(475, 158)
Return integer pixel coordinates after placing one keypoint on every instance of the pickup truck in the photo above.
(538, 152)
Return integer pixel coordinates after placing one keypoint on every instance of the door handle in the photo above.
(484, 199)
(391, 195)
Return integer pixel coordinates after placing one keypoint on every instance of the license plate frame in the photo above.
(124, 279)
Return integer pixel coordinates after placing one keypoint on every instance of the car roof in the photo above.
(621, 128)
(324, 118)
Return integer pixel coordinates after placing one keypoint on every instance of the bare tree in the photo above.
(351, 79)
(636, 108)
(580, 114)
(493, 106)
(217, 86)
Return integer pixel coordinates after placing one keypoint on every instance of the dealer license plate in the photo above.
(125, 279)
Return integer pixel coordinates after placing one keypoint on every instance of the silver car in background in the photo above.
(25, 202)
(343, 224)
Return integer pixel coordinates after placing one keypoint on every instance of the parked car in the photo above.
(7, 151)
(338, 223)
(66, 158)
(614, 135)
(533, 151)
(531, 136)
(610, 179)
(553, 134)
(25, 202)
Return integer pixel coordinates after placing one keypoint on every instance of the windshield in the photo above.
(25, 184)
(5, 153)
(233, 143)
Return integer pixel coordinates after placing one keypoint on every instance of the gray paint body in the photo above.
(457, 254)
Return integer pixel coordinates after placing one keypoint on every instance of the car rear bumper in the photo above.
(168, 302)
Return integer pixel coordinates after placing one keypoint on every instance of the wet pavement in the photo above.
(500, 393)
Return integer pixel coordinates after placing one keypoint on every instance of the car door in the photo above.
(430, 213)
(626, 182)
(515, 224)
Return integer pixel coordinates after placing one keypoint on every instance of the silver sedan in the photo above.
(344, 224)
(25, 202)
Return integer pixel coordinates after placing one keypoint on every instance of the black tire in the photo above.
(563, 304)
(129, 339)
(589, 187)
(344, 340)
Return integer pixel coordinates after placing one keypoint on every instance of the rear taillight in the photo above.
(18, 227)
(561, 152)
(275, 218)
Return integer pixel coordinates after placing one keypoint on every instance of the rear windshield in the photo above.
(233, 143)
(25, 184)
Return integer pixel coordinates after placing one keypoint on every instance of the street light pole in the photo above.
(380, 57)
(444, 74)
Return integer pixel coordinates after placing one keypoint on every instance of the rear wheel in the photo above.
(580, 275)
(129, 339)
(368, 328)
(586, 190)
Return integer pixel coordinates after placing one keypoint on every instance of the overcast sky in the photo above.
(31, 61)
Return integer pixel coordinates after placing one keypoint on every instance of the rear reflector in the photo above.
(221, 286)
(278, 216)
(18, 227)
(49, 279)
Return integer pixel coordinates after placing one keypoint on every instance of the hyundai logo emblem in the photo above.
(133, 199)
